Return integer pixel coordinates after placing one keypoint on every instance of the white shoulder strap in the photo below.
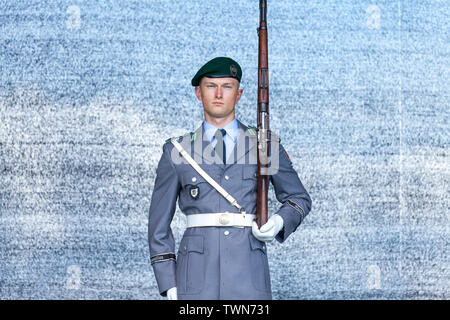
(207, 177)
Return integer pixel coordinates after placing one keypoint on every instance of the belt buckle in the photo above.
(225, 219)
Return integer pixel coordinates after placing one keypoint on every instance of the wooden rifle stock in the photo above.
(262, 118)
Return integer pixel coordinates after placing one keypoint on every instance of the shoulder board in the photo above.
(174, 138)
(190, 135)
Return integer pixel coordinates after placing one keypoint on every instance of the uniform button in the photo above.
(227, 177)
(226, 233)
(194, 179)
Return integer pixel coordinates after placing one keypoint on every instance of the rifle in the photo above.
(262, 118)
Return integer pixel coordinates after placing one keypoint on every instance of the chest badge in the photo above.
(194, 192)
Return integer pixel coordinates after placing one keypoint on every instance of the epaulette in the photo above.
(190, 135)
(173, 138)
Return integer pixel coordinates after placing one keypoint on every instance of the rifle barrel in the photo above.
(262, 117)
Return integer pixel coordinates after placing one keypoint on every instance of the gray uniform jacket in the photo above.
(217, 262)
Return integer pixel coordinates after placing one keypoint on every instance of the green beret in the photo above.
(220, 67)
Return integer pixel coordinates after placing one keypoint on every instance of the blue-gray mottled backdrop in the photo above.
(89, 91)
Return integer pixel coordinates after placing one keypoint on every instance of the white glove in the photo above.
(269, 230)
(172, 294)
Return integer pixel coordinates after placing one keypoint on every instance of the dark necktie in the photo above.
(220, 145)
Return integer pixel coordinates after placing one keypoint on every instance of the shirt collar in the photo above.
(232, 130)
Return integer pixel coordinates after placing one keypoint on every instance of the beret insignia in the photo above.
(233, 70)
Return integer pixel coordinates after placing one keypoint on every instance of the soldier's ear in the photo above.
(239, 95)
(198, 93)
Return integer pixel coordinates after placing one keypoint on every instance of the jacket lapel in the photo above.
(245, 143)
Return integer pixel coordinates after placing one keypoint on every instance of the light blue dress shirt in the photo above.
(230, 138)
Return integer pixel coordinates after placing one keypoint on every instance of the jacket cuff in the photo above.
(165, 274)
(292, 217)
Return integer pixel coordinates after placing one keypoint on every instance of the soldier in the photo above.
(212, 174)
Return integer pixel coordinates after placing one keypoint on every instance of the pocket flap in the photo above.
(249, 172)
(191, 244)
(191, 178)
(255, 244)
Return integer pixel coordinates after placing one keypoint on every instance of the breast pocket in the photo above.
(190, 270)
(194, 187)
(249, 174)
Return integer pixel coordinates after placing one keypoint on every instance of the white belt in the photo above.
(225, 219)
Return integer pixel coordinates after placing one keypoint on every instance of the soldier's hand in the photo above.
(172, 294)
(269, 230)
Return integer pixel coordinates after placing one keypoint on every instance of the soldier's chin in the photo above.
(219, 113)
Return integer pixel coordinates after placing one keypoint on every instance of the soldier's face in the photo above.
(219, 96)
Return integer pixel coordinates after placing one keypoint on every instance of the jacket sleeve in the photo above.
(289, 190)
(162, 209)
